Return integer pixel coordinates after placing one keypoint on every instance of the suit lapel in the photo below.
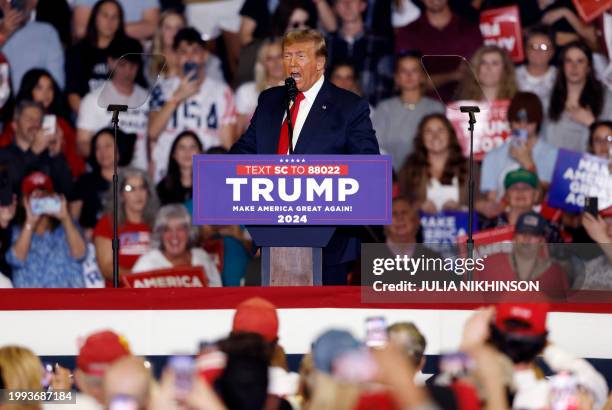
(273, 123)
(311, 128)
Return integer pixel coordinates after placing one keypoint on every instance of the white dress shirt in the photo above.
(304, 109)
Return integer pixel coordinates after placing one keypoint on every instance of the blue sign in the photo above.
(292, 189)
(444, 227)
(579, 175)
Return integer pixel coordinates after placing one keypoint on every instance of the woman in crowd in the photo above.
(91, 188)
(47, 250)
(600, 139)
(38, 85)
(22, 370)
(170, 23)
(137, 207)
(537, 75)
(577, 100)
(495, 76)
(87, 60)
(268, 73)
(177, 185)
(174, 240)
(435, 174)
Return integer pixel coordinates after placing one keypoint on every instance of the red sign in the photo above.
(214, 247)
(491, 129)
(182, 277)
(502, 27)
(589, 10)
(489, 241)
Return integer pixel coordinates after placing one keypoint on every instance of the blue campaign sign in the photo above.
(444, 227)
(292, 190)
(579, 175)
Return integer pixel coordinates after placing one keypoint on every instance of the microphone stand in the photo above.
(290, 123)
(115, 109)
(471, 110)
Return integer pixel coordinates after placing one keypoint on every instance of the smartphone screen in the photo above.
(376, 331)
(45, 205)
(123, 402)
(591, 205)
(184, 369)
(49, 124)
(191, 69)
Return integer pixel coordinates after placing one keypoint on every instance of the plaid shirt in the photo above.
(372, 58)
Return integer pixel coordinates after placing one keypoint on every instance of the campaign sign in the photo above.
(490, 131)
(183, 277)
(577, 176)
(292, 189)
(502, 27)
(490, 241)
(444, 227)
(589, 10)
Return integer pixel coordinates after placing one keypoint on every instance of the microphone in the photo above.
(291, 89)
(470, 109)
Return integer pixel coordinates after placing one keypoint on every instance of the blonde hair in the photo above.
(261, 76)
(158, 62)
(21, 369)
(469, 89)
(305, 35)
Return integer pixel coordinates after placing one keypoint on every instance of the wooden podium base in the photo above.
(291, 266)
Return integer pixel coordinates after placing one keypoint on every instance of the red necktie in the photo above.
(283, 140)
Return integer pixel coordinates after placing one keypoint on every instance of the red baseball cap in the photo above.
(532, 314)
(257, 315)
(100, 350)
(36, 180)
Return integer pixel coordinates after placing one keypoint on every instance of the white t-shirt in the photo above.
(155, 259)
(540, 86)
(204, 113)
(246, 98)
(92, 117)
(440, 194)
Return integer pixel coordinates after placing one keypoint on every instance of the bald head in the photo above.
(128, 376)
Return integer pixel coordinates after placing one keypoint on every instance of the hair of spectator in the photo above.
(415, 55)
(158, 62)
(21, 369)
(284, 11)
(529, 102)
(594, 128)
(188, 35)
(152, 205)
(469, 88)
(134, 368)
(170, 212)
(416, 166)
(307, 35)
(540, 30)
(91, 33)
(30, 81)
(592, 95)
(25, 104)
(217, 150)
(172, 180)
(410, 339)
(92, 160)
(261, 76)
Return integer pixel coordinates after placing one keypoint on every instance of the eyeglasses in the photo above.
(603, 141)
(540, 47)
(132, 188)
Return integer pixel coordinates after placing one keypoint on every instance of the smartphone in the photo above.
(191, 69)
(564, 392)
(376, 331)
(184, 371)
(47, 376)
(591, 205)
(355, 367)
(49, 124)
(519, 136)
(123, 402)
(18, 5)
(455, 364)
(46, 205)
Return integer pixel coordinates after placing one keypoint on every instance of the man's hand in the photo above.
(596, 228)
(522, 154)
(56, 142)
(476, 329)
(12, 20)
(188, 87)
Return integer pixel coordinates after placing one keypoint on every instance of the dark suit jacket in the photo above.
(338, 123)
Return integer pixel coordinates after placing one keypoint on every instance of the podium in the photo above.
(291, 255)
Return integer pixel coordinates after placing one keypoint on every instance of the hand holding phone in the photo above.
(184, 371)
(49, 124)
(190, 70)
(591, 205)
(48, 205)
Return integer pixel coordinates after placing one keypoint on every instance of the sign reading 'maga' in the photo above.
(282, 189)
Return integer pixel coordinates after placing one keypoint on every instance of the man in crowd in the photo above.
(191, 101)
(396, 119)
(99, 351)
(124, 63)
(128, 382)
(440, 32)
(369, 54)
(33, 149)
(32, 45)
(524, 149)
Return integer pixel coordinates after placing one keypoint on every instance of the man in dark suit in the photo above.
(326, 120)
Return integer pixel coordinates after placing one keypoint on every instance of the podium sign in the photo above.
(292, 190)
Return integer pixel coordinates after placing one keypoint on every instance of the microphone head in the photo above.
(469, 108)
(291, 88)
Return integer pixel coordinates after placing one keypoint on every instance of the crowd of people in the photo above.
(191, 73)
(493, 367)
